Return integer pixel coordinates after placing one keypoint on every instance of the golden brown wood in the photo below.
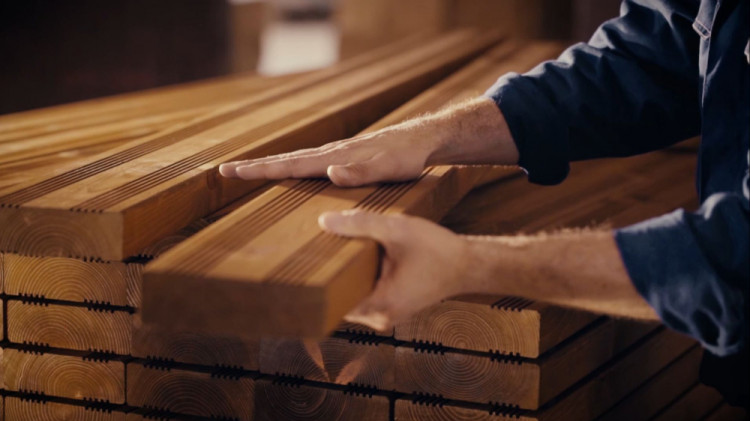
(70, 327)
(503, 325)
(357, 360)
(112, 206)
(65, 376)
(694, 405)
(584, 402)
(208, 349)
(243, 273)
(527, 384)
(221, 394)
(40, 410)
(278, 401)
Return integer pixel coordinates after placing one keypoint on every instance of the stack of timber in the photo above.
(72, 287)
(75, 348)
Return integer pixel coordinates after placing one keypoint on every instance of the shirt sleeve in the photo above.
(633, 88)
(694, 269)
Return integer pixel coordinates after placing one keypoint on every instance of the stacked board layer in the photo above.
(75, 347)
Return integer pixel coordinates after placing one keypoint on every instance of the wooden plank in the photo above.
(693, 405)
(70, 327)
(201, 348)
(42, 410)
(360, 360)
(230, 281)
(66, 376)
(218, 394)
(279, 401)
(584, 402)
(726, 412)
(645, 402)
(112, 206)
(496, 324)
(527, 384)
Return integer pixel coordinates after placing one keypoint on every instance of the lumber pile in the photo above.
(77, 342)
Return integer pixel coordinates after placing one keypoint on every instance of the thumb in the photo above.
(357, 223)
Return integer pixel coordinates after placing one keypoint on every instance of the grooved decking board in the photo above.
(365, 362)
(191, 392)
(276, 401)
(65, 376)
(527, 384)
(70, 327)
(113, 205)
(268, 267)
(645, 402)
(693, 405)
(40, 410)
(504, 325)
(202, 348)
(68, 279)
(585, 402)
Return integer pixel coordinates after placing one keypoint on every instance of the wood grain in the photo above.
(65, 376)
(40, 410)
(585, 402)
(279, 401)
(201, 348)
(523, 383)
(220, 394)
(70, 327)
(693, 405)
(496, 324)
(360, 360)
(270, 254)
(112, 206)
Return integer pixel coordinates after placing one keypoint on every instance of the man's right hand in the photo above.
(474, 132)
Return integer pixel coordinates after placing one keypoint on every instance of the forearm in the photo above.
(472, 132)
(580, 269)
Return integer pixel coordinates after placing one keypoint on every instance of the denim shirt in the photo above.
(662, 72)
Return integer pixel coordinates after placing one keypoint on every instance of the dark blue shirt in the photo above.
(662, 72)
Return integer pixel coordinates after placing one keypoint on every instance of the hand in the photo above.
(422, 265)
(391, 154)
(473, 132)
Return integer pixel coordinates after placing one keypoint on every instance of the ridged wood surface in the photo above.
(585, 402)
(524, 383)
(693, 405)
(65, 376)
(270, 254)
(191, 393)
(70, 327)
(363, 361)
(277, 401)
(115, 204)
(497, 324)
(39, 410)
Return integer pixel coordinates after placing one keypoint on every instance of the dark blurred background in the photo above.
(54, 52)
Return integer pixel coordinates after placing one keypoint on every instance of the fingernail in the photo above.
(225, 170)
(329, 220)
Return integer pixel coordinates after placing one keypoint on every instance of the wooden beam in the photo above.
(112, 206)
(584, 402)
(496, 324)
(292, 401)
(514, 382)
(229, 280)
(693, 405)
(43, 410)
(65, 376)
(365, 361)
(70, 327)
(201, 348)
(219, 394)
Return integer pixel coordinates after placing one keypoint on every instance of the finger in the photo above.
(228, 169)
(378, 322)
(298, 167)
(356, 223)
